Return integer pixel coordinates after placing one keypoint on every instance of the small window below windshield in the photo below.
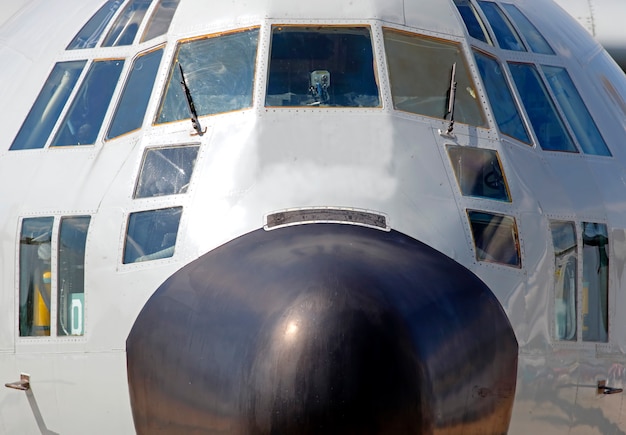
(132, 106)
(420, 71)
(152, 234)
(502, 103)
(160, 20)
(547, 124)
(495, 238)
(84, 118)
(127, 24)
(322, 66)
(219, 72)
(565, 279)
(47, 108)
(89, 35)
(166, 171)
(478, 172)
(506, 35)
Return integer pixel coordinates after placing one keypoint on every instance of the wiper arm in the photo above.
(451, 99)
(195, 122)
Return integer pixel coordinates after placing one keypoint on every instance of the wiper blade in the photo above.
(451, 99)
(195, 122)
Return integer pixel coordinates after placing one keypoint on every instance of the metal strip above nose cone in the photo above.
(322, 328)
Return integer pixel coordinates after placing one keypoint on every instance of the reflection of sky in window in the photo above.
(495, 238)
(127, 24)
(89, 35)
(151, 234)
(537, 42)
(160, 20)
(505, 33)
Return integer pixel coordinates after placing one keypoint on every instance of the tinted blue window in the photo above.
(472, 21)
(89, 35)
(575, 111)
(127, 24)
(537, 42)
(502, 103)
(160, 20)
(546, 122)
(48, 106)
(84, 118)
(151, 234)
(505, 33)
(132, 106)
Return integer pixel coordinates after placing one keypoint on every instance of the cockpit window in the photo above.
(565, 279)
(420, 71)
(127, 24)
(160, 20)
(479, 173)
(473, 21)
(89, 35)
(502, 103)
(575, 111)
(166, 171)
(219, 72)
(151, 235)
(547, 124)
(537, 42)
(495, 238)
(595, 308)
(84, 118)
(504, 31)
(322, 66)
(47, 108)
(132, 106)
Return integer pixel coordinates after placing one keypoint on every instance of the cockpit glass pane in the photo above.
(84, 118)
(160, 20)
(546, 122)
(132, 106)
(322, 66)
(565, 279)
(537, 42)
(89, 35)
(506, 35)
(420, 70)
(473, 21)
(478, 172)
(48, 107)
(166, 171)
(152, 234)
(127, 24)
(219, 72)
(503, 105)
(495, 238)
(595, 300)
(575, 111)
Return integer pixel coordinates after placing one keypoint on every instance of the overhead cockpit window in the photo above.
(47, 108)
(151, 235)
(127, 24)
(502, 103)
(420, 71)
(495, 238)
(219, 72)
(473, 21)
(84, 118)
(166, 171)
(575, 111)
(322, 66)
(546, 122)
(479, 173)
(35, 276)
(90, 34)
(537, 42)
(504, 31)
(160, 20)
(595, 304)
(132, 106)
(565, 279)
(71, 275)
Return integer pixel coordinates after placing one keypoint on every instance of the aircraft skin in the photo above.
(326, 263)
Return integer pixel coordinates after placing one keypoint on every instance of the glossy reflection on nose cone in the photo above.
(322, 328)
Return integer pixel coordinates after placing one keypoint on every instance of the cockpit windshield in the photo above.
(322, 66)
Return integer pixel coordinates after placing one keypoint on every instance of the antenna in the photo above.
(195, 122)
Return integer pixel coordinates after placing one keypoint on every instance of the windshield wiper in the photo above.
(195, 122)
(451, 100)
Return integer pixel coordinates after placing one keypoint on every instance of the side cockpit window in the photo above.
(595, 308)
(421, 71)
(166, 171)
(151, 234)
(495, 238)
(218, 71)
(479, 172)
(322, 66)
(565, 279)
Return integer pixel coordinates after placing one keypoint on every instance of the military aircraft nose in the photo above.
(322, 328)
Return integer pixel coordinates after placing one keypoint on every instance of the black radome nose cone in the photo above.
(322, 328)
